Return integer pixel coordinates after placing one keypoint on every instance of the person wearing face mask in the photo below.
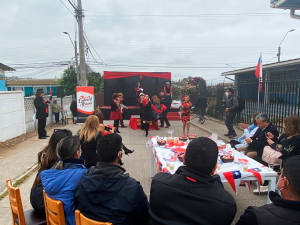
(285, 206)
(231, 105)
(56, 111)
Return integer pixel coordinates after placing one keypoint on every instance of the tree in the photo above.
(69, 81)
(96, 80)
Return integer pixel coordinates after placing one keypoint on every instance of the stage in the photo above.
(173, 114)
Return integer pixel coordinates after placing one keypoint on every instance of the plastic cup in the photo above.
(218, 167)
(245, 168)
(157, 137)
(271, 167)
(168, 164)
(172, 166)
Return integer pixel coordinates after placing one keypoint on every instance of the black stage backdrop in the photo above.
(126, 85)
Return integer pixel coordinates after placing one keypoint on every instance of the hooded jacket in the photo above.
(105, 193)
(280, 212)
(61, 184)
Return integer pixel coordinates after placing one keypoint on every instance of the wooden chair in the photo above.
(82, 220)
(20, 217)
(54, 211)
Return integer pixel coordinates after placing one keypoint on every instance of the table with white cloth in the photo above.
(266, 174)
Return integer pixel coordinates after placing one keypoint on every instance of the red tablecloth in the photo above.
(135, 123)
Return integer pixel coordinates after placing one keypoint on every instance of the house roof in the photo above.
(6, 68)
(33, 81)
(291, 62)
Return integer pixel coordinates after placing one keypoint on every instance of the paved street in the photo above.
(24, 156)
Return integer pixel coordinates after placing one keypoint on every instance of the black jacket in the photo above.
(73, 106)
(89, 150)
(105, 193)
(165, 100)
(189, 197)
(41, 108)
(280, 212)
(260, 139)
(201, 102)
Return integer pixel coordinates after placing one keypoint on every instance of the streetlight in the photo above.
(76, 60)
(279, 48)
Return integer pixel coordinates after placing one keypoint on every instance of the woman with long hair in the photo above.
(104, 130)
(89, 136)
(46, 160)
(186, 115)
(115, 113)
(60, 182)
(157, 115)
(288, 144)
(147, 116)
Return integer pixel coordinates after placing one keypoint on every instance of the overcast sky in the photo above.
(184, 37)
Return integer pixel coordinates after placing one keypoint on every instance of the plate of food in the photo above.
(244, 161)
(161, 141)
(227, 158)
(183, 138)
(178, 150)
(192, 136)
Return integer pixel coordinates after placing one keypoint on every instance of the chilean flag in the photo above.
(258, 72)
(256, 172)
(51, 91)
(233, 178)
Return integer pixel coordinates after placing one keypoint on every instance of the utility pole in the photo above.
(278, 54)
(76, 61)
(81, 44)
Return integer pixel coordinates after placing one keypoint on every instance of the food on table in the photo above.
(161, 141)
(227, 158)
(179, 150)
(180, 156)
(192, 136)
(170, 139)
(183, 138)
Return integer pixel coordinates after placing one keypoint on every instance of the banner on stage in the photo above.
(85, 103)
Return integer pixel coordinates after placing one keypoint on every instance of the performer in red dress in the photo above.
(115, 113)
(186, 115)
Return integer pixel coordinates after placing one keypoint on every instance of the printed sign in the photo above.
(85, 102)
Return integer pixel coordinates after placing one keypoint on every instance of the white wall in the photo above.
(30, 111)
(12, 114)
(2, 72)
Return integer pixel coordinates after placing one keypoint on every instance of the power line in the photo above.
(67, 8)
(93, 48)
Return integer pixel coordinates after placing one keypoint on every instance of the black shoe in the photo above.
(168, 126)
(232, 136)
(120, 162)
(117, 131)
(161, 126)
(123, 126)
(226, 134)
(47, 136)
(42, 137)
(146, 135)
(127, 151)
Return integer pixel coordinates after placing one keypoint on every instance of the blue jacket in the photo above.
(61, 184)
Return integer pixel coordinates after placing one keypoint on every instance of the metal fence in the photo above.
(278, 99)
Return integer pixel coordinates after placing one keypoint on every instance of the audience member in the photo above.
(201, 106)
(231, 105)
(89, 136)
(73, 108)
(46, 160)
(106, 193)
(60, 182)
(195, 193)
(285, 206)
(165, 100)
(287, 145)
(240, 144)
(257, 143)
(56, 110)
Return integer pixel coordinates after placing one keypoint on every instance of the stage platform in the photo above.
(173, 114)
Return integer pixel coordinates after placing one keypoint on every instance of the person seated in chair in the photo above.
(257, 143)
(285, 206)
(106, 193)
(195, 193)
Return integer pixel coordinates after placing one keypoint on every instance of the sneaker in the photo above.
(263, 190)
(202, 122)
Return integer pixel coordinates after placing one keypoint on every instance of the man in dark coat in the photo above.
(259, 139)
(195, 193)
(73, 108)
(41, 112)
(201, 105)
(231, 105)
(106, 193)
(166, 101)
(284, 209)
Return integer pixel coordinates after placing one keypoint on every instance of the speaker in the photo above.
(60, 91)
(202, 86)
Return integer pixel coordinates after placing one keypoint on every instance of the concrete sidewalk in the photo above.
(216, 126)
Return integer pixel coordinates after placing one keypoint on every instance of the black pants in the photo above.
(229, 125)
(116, 124)
(164, 118)
(201, 113)
(56, 117)
(41, 127)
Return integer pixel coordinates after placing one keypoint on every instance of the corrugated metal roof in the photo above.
(265, 66)
(33, 81)
(6, 68)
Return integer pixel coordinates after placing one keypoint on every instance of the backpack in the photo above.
(241, 106)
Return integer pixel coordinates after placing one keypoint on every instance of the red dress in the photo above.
(115, 113)
(186, 111)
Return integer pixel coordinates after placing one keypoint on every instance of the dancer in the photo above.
(156, 114)
(123, 108)
(138, 91)
(164, 100)
(186, 115)
(115, 113)
(147, 117)
(141, 109)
